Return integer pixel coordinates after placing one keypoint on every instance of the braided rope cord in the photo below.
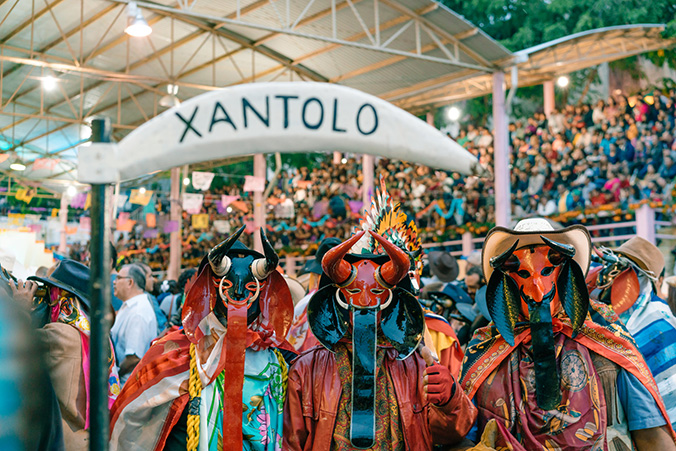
(195, 391)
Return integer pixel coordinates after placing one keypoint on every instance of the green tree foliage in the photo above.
(519, 24)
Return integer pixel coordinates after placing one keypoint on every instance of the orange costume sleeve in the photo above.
(445, 344)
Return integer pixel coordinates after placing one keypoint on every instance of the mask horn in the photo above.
(498, 261)
(396, 269)
(338, 270)
(263, 267)
(566, 250)
(219, 262)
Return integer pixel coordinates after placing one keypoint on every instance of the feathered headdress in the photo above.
(386, 218)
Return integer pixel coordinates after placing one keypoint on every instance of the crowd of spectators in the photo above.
(583, 163)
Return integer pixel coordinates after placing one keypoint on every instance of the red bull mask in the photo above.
(369, 296)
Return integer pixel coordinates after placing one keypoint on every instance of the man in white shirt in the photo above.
(135, 324)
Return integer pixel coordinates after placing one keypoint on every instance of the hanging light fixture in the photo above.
(49, 83)
(17, 166)
(170, 100)
(136, 24)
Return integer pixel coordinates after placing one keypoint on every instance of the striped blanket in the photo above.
(653, 327)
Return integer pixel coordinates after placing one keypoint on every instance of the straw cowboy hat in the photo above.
(297, 289)
(645, 254)
(528, 232)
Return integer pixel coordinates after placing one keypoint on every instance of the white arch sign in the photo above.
(273, 117)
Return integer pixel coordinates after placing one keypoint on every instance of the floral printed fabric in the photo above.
(263, 396)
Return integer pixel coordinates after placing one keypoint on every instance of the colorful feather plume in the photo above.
(386, 218)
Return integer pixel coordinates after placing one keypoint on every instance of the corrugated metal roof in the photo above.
(545, 62)
(377, 46)
(409, 52)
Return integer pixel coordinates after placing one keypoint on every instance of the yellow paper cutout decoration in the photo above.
(140, 198)
(200, 221)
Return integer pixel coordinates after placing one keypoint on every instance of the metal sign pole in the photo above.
(99, 292)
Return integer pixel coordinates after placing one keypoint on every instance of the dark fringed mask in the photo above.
(535, 283)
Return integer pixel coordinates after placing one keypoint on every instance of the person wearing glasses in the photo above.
(135, 324)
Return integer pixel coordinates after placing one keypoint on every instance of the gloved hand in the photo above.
(438, 384)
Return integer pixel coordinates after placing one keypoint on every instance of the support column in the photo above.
(63, 216)
(101, 312)
(259, 202)
(367, 168)
(503, 207)
(175, 247)
(290, 268)
(550, 103)
(467, 245)
(604, 75)
(337, 156)
(429, 118)
(645, 223)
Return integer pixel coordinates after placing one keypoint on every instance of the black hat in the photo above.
(443, 265)
(456, 293)
(315, 266)
(71, 276)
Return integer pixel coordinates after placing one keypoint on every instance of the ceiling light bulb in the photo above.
(136, 24)
(48, 83)
(344, 160)
(169, 101)
(229, 209)
(562, 81)
(71, 191)
(85, 131)
(17, 167)
(142, 190)
(186, 181)
(454, 113)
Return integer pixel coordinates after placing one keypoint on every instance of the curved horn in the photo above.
(566, 250)
(333, 264)
(219, 262)
(415, 254)
(263, 267)
(498, 260)
(393, 271)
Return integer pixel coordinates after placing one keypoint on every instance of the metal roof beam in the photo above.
(355, 37)
(446, 35)
(241, 40)
(319, 15)
(29, 21)
(184, 15)
(54, 118)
